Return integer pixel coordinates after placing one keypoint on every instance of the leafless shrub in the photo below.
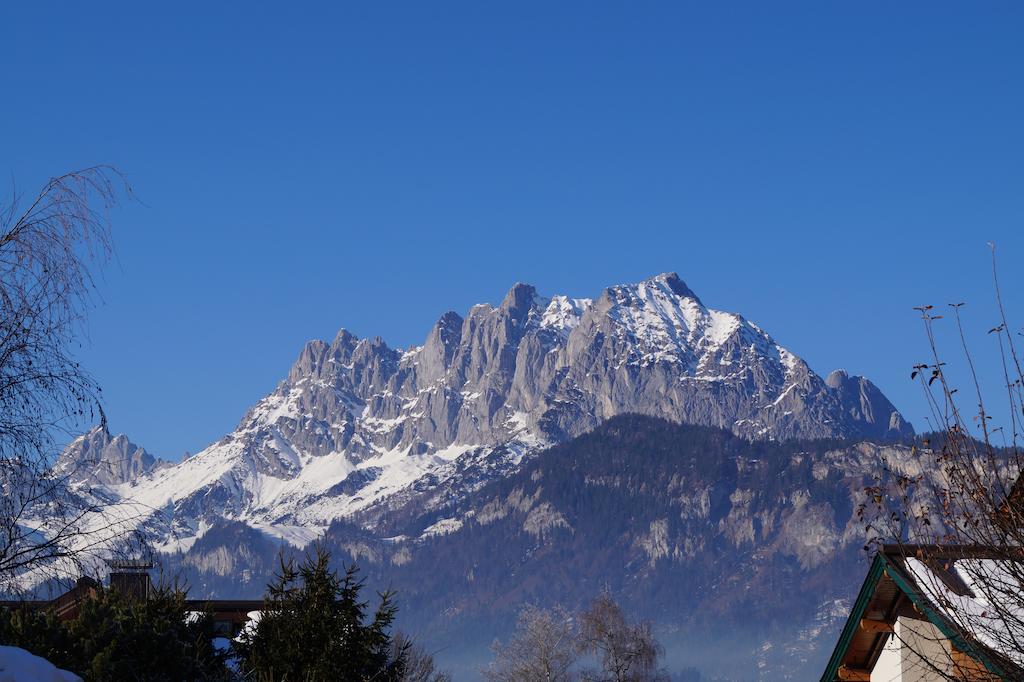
(542, 649)
(549, 643)
(419, 663)
(628, 652)
(50, 247)
(962, 506)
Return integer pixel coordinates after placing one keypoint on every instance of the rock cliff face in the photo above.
(103, 459)
(551, 368)
(356, 424)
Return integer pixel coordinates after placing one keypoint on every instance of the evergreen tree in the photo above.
(39, 632)
(115, 637)
(149, 639)
(314, 626)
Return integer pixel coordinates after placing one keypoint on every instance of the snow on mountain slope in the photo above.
(668, 323)
(356, 423)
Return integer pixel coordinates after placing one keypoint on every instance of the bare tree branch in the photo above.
(955, 513)
(50, 248)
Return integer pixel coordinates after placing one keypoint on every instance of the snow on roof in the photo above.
(998, 626)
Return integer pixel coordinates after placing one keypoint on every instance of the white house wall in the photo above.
(901, 661)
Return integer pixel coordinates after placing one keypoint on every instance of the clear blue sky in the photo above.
(820, 167)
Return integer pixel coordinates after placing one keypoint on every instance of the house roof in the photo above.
(66, 605)
(897, 584)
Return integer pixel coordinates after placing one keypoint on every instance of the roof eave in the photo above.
(853, 622)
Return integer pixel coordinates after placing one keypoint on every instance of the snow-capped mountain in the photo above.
(357, 425)
(104, 459)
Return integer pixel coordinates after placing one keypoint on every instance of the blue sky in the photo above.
(819, 167)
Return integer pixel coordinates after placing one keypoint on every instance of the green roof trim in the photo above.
(883, 565)
(853, 622)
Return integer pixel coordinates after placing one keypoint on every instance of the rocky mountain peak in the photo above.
(358, 425)
(96, 457)
(861, 400)
(344, 341)
(837, 378)
(519, 299)
(310, 360)
(448, 327)
(672, 281)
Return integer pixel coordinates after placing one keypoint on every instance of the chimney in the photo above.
(131, 578)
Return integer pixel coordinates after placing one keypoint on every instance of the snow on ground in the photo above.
(519, 429)
(18, 665)
(442, 527)
(296, 536)
(453, 452)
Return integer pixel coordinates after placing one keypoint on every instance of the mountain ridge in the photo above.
(727, 545)
(356, 423)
